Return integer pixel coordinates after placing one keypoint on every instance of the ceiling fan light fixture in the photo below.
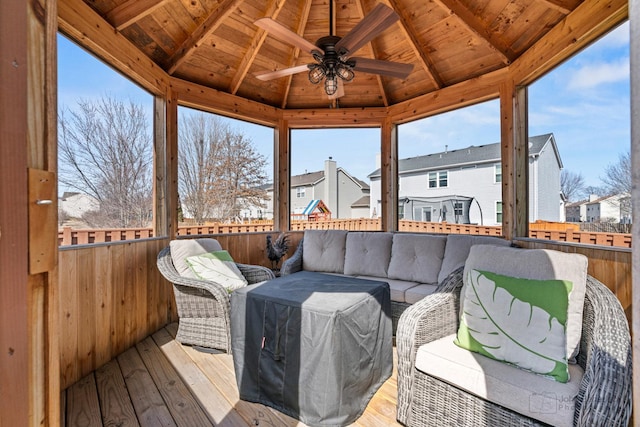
(345, 72)
(316, 73)
(331, 85)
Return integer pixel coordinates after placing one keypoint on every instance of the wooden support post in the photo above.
(389, 176)
(514, 152)
(166, 202)
(634, 17)
(281, 177)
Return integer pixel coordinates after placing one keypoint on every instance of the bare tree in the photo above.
(220, 171)
(617, 175)
(572, 184)
(105, 151)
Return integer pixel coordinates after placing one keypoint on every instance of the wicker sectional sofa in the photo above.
(414, 265)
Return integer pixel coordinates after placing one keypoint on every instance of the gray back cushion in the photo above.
(538, 264)
(457, 250)
(324, 250)
(182, 249)
(417, 257)
(368, 253)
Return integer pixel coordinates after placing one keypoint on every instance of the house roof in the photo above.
(464, 156)
(362, 202)
(218, 45)
(312, 178)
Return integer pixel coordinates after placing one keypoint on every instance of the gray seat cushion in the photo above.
(457, 251)
(397, 287)
(367, 253)
(324, 250)
(416, 257)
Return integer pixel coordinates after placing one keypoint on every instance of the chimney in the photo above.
(330, 197)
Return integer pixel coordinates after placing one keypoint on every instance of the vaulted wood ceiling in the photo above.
(215, 43)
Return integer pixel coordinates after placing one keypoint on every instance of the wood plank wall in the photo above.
(611, 266)
(112, 296)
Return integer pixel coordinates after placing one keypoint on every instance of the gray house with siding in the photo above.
(345, 195)
(464, 185)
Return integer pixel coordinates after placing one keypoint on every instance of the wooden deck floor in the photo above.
(160, 382)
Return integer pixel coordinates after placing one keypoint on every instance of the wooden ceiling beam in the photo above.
(208, 26)
(469, 92)
(588, 22)
(80, 22)
(273, 10)
(562, 6)
(214, 101)
(337, 117)
(131, 11)
(421, 53)
(383, 92)
(304, 18)
(476, 26)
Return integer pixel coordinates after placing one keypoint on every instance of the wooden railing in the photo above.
(540, 230)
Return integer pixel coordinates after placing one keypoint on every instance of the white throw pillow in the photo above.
(537, 264)
(183, 248)
(217, 267)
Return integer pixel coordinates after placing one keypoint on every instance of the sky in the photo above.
(585, 103)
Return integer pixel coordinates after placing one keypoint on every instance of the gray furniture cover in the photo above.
(314, 346)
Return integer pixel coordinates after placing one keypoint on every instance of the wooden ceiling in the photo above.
(215, 43)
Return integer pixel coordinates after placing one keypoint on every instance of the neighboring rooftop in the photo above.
(463, 156)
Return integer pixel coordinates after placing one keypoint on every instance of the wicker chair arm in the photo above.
(293, 264)
(433, 317)
(605, 396)
(168, 270)
(255, 273)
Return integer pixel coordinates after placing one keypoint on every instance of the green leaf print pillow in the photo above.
(519, 321)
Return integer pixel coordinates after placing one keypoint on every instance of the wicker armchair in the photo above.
(605, 395)
(203, 306)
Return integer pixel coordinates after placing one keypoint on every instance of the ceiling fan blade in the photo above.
(284, 34)
(270, 75)
(374, 23)
(340, 92)
(385, 68)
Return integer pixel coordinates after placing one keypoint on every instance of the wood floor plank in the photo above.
(181, 403)
(218, 366)
(169, 384)
(145, 396)
(83, 407)
(215, 367)
(115, 403)
(210, 398)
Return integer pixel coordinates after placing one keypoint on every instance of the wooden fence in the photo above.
(560, 232)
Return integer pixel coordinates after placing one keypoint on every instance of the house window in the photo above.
(438, 179)
(433, 179)
(443, 180)
(401, 211)
(457, 208)
(300, 192)
(499, 212)
(498, 172)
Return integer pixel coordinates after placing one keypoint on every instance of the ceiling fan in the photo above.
(334, 63)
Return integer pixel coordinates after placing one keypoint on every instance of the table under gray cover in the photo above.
(314, 346)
